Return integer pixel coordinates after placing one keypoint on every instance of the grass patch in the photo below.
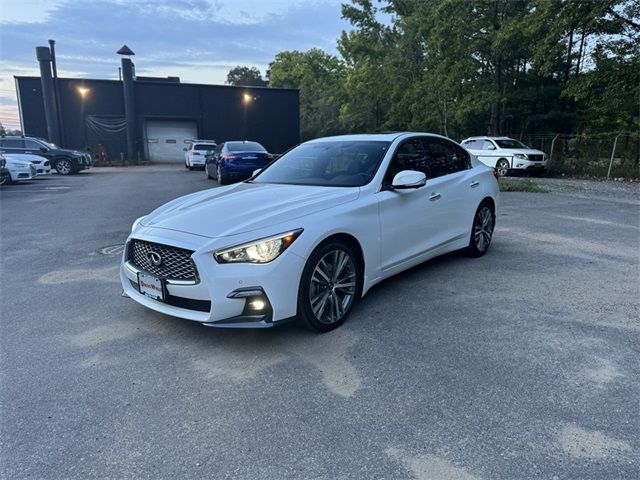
(512, 185)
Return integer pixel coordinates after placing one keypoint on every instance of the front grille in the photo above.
(535, 158)
(175, 263)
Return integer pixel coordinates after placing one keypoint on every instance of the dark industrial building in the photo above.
(85, 113)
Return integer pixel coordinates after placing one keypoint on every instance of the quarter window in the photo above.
(472, 144)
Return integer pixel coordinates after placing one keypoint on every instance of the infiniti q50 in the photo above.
(307, 236)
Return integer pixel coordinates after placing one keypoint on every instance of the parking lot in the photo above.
(521, 364)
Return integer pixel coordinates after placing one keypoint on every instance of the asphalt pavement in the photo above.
(522, 364)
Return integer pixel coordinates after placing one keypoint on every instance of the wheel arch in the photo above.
(352, 242)
(507, 159)
(490, 201)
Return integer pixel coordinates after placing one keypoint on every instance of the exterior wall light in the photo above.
(83, 91)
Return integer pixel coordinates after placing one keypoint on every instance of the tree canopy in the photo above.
(462, 67)
(245, 77)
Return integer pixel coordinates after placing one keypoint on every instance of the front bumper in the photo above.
(84, 162)
(524, 164)
(43, 169)
(219, 297)
(22, 173)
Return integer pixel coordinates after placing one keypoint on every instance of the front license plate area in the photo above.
(151, 286)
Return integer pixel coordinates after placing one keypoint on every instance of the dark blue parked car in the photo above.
(235, 161)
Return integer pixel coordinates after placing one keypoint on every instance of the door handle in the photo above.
(434, 196)
(475, 184)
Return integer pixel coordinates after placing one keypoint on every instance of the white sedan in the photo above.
(311, 233)
(19, 169)
(43, 166)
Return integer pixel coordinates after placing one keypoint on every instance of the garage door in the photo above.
(166, 140)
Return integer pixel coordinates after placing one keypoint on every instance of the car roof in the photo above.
(382, 137)
(485, 137)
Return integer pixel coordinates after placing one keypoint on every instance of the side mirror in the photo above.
(43, 149)
(408, 179)
(491, 147)
(256, 171)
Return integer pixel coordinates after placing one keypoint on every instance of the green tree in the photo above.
(245, 77)
(320, 79)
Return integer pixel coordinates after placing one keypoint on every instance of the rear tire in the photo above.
(330, 286)
(484, 222)
(221, 177)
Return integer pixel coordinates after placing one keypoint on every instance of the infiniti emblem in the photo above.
(154, 258)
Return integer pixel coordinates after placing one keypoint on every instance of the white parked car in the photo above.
(194, 156)
(311, 233)
(19, 170)
(505, 154)
(43, 166)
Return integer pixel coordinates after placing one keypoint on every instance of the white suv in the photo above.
(194, 156)
(506, 154)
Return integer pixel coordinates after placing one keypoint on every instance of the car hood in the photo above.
(14, 161)
(244, 207)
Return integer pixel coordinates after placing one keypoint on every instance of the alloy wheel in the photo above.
(333, 286)
(64, 167)
(483, 229)
(503, 168)
(219, 175)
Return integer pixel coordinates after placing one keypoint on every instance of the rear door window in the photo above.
(446, 157)
(12, 143)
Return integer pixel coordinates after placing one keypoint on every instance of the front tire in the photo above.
(330, 286)
(64, 166)
(503, 167)
(206, 171)
(6, 180)
(484, 223)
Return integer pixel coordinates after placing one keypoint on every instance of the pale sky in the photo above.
(196, 40)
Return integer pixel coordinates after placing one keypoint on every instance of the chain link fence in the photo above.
(612, 155)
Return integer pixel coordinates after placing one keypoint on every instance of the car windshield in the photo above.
(204, 146)
(339, 163)
(245, 147)
(510, 143)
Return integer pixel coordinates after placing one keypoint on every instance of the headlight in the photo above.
(521, 155)
(263, 250)
(137, 222)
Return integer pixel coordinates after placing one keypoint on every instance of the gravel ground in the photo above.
(601, 189)
(521, 364)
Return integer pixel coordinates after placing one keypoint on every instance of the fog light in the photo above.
(257, 304)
